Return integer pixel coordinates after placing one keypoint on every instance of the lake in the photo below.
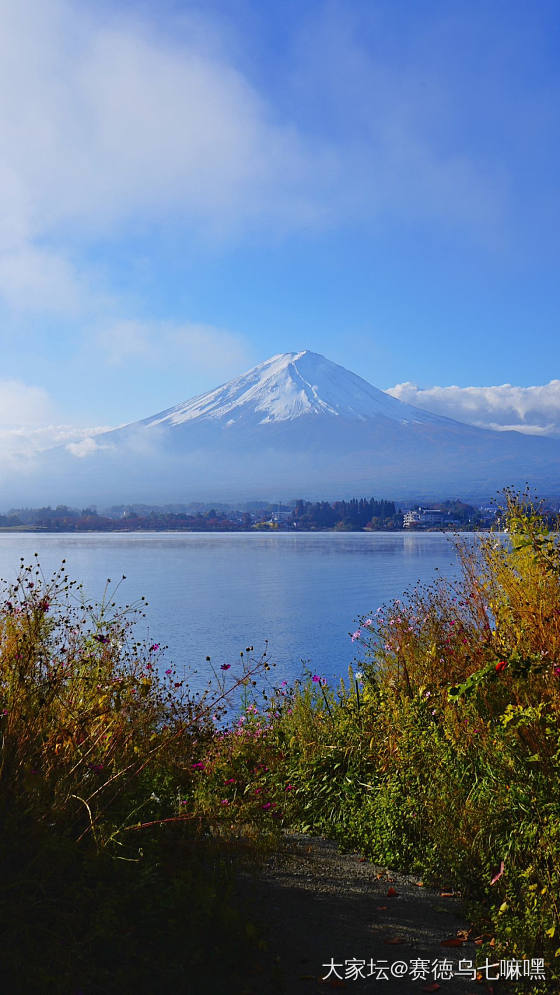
(213, 594)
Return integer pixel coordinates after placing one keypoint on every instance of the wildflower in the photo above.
(225, 666)
(289, 787)
(358, 675)
(356, 635)
(168, 672)
(231, 780)
(557, 671)
(499, 874)
(101, 639)
(267, 805)
(368, 622)
(501, 666)
(198, 766)
(224, 801)
(316, 678)
(154, 647)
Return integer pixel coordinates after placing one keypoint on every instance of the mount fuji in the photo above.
(297, 425)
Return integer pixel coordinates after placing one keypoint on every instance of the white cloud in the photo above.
(27, 426)
(198, 348)
(85, 447)
(23, 442)
(532, 410)
(100, 117)
(23, 405)
(107, 122)
(40, 280)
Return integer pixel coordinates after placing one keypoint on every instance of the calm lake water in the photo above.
(214, 594)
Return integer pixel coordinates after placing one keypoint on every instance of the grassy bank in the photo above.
(122, 798)
(111, 879)
(441, 754)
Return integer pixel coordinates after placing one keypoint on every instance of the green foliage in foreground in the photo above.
(110, 880)
(442, 754)
(122, 799)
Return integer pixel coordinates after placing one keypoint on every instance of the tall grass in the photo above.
(111, 879)
(441, 754)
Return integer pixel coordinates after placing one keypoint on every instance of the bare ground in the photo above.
(315, 905)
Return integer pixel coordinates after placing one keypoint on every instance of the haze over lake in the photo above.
(215, 594)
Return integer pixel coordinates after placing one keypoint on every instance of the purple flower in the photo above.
(168, 672)
(154, 647)
(225, 666)
(356, 635)
(316, 678)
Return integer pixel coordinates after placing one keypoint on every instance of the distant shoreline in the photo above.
(41, 530)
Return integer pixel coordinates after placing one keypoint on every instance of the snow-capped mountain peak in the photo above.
(289, 386)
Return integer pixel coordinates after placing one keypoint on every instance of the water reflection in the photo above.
(215, 594)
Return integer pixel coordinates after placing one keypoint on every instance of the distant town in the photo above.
(358, 514)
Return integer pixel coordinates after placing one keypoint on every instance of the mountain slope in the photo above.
(289, 386)
(297, 425)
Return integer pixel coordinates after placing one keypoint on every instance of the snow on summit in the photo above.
(288, 386)
(295, 425)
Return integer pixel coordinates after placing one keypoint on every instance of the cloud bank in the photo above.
(112, 123)
(531, 410)
(28, 424)
(197, 347)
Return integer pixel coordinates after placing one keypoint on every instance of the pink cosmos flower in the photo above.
(499, 874)
(225, 666)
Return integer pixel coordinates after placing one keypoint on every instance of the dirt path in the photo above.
(316, 905)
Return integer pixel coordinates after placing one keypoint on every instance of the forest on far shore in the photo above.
(356, 514)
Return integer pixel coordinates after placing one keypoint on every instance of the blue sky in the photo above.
(188, 189)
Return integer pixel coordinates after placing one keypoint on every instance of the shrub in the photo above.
(111, 880)
(445, 757)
